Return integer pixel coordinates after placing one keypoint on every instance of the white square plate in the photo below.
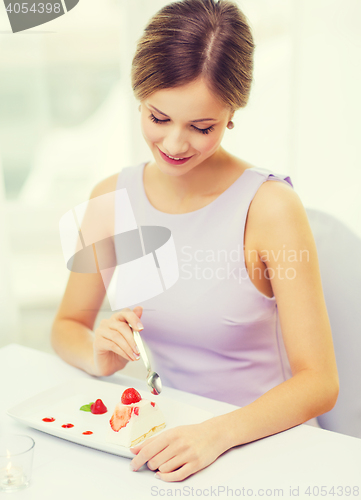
(63, 403)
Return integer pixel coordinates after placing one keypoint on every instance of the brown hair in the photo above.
(191, 38)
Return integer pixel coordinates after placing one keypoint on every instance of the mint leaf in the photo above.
(86, 407)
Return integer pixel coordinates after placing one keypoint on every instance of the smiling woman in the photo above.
(176, 140)
(244, 332)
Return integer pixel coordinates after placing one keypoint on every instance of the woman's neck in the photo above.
(203, 180)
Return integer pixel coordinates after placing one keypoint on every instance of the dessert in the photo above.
(134, 419)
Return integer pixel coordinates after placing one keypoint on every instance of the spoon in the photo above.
(153, 379)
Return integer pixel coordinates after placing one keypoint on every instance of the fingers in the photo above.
(173, 464)
(148, 451)
(124, 340)
(136, 449)
(130, 317)
(108, 345)
(120, 322)
(165, 461)
(126, 335)
(179, 474)
(170, 465)
(176, 453)
(119, 334)
(138, 311)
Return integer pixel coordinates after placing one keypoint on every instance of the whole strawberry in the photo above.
(130, 396)
(98, 408)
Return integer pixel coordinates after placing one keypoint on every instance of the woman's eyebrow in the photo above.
(193, 121)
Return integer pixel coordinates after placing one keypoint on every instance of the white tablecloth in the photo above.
(296, 459)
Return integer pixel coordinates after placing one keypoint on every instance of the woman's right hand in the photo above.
(114, 344)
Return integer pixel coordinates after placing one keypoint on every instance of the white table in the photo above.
(298, 458)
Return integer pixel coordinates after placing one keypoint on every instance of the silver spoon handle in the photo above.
(140, 345)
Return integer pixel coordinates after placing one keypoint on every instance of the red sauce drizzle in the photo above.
(67, 426)
(87, 433)
(48, 419)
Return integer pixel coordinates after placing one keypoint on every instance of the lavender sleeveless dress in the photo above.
(213, 333)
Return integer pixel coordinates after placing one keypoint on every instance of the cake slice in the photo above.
(134, 419)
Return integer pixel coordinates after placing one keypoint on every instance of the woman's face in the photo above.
(186, 123)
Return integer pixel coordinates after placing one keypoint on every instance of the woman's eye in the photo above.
(204, 130)
(156, 120)
(201, 130)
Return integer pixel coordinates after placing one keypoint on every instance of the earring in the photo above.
(230, 124)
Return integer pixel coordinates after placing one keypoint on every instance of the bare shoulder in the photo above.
(98, 219)
(277, 212)
(276, 195)
(105, 186)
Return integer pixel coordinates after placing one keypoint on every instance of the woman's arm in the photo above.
(111, 346)
(72, 336)
(282, 224)
(286, 245)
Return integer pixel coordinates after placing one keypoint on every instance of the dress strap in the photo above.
(269, 175)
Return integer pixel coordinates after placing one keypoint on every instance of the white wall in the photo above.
(327, 107)
(9, 325)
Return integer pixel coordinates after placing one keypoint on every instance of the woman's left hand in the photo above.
(177, 453)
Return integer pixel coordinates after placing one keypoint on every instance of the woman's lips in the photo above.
(173, 162)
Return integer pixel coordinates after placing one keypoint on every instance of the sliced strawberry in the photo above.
(136, 410)
(153, 404)
(120, 417)
(130, 396)
(98, 408)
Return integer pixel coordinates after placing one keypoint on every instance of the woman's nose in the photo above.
(175, 143)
